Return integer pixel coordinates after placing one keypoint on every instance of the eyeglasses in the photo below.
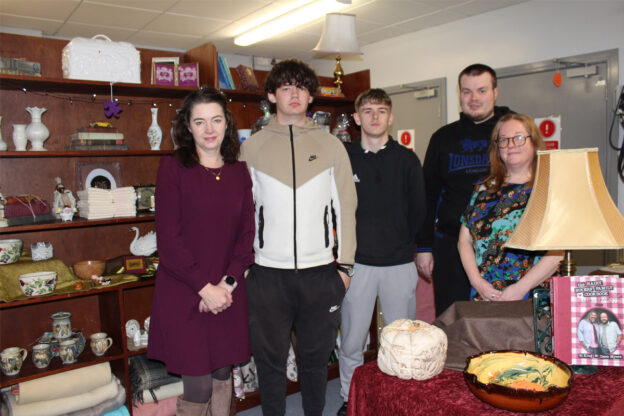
(518, 140)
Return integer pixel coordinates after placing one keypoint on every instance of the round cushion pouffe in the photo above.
(412, 350)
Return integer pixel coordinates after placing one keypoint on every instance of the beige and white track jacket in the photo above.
(300, 175)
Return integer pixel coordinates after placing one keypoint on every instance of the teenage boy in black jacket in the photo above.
(457, 157)
(391, 208)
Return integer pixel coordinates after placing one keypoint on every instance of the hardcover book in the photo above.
(588, 314)
(96, 136)
(225, 78)
(247, 78)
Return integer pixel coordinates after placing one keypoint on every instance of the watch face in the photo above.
(230, 280)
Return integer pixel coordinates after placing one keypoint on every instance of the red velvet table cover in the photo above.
(374, 393)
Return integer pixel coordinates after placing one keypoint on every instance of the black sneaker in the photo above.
(343, 410)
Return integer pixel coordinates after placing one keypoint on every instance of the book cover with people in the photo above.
(588, 314)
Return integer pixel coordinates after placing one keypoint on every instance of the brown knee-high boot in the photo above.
(184, 408)
(221, 396)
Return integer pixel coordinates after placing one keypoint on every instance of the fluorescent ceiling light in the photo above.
(289, 21)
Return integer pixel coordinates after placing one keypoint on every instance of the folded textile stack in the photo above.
(124, 201)
(86, 391)
(95, 203)
(146, 376)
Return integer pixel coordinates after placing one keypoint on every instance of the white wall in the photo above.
(534, 31)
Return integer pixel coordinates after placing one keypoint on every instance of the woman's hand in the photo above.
(214, 298)
(513, 292)
(486, 290)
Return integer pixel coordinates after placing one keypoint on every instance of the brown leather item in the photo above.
(473, 327)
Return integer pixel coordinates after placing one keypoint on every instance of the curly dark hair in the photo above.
(186, 154)
(293, 72)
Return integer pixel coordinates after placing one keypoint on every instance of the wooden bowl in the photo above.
(520, 381)
(87, 268)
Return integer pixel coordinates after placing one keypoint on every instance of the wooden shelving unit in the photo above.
(74, 103)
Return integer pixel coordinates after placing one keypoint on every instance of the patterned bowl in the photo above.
(37, 283)
(520, 381)
(10, 251)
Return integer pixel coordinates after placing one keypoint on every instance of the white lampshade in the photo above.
(339, 35)
(570, 207)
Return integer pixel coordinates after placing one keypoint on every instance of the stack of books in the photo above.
(14, 66)
(97, 138)
(124, 201)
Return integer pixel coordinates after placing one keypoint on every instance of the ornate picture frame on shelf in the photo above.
(164, 70)
(188, 75)
(145, 197)
(104, 175)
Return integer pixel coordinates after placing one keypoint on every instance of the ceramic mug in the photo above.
(100, 343)
(68, 351)
(41, 355)
(11, 360)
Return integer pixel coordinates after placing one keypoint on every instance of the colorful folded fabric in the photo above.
(147, 374)
(165, 407)
(163, 392)
(108, 405)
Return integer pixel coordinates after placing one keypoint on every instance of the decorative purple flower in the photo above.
(112, 108)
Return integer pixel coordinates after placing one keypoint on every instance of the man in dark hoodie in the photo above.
(456, 158)
(391, 208)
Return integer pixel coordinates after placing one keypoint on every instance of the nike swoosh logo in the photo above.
(311, 158)
(334, 308)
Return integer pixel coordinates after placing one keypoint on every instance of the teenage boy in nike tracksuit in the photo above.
(301, 177)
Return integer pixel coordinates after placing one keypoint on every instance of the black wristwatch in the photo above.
(346, 269)
(230, 280)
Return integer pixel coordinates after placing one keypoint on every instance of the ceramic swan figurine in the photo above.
(143, 246)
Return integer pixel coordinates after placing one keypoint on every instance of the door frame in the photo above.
(439, 83)
(610, 57)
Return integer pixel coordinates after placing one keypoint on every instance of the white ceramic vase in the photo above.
(154, 133)
(19, 136)
(36, 131)
(3, 145)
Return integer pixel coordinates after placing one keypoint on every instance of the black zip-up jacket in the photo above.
(457, 157)
(391, 203)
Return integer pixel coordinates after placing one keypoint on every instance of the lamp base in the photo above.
(338, 73)
(567, 267)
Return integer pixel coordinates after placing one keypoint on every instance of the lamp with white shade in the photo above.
(339, 38)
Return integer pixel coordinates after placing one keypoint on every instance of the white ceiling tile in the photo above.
(159, 40)
(483, 6)
(184, 25)
(381, 34)
(393, 12)
(100, 14)
(72, 30)
(218, 9)
(46, 26)
(436, 19)
(57, 9)
(154, 5)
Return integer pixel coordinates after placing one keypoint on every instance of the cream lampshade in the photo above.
(338, 38)
(570, 207)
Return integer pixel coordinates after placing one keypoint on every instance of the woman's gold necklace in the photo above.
(216, 175)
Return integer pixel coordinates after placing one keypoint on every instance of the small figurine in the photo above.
(64, 202)
(263, 120)
(341, 130)
(145, 245)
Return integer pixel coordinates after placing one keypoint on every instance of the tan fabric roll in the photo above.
(69, 383)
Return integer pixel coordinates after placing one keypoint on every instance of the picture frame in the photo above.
(188, 75)
(134, 265)
(164, 73)
(145, 197)
(170, 60)
(104, 175)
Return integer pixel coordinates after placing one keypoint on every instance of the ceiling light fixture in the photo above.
(295, 18)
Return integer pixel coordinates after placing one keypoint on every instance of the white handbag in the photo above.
(101, 59)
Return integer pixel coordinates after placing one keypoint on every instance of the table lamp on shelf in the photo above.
(338, 38)
(570, 208)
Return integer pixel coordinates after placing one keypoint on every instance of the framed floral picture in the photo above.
(164, 73)
(188, 75)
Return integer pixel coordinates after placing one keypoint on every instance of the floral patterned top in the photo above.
(491, 219)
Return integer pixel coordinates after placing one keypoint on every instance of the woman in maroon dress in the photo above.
(205, 231)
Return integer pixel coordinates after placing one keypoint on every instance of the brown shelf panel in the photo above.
(91, 292)
(79, 222)
(241, 95)
(86, 359)
(76, 86)
(67, 153)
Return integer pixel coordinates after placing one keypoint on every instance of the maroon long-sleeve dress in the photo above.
(205, 230)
